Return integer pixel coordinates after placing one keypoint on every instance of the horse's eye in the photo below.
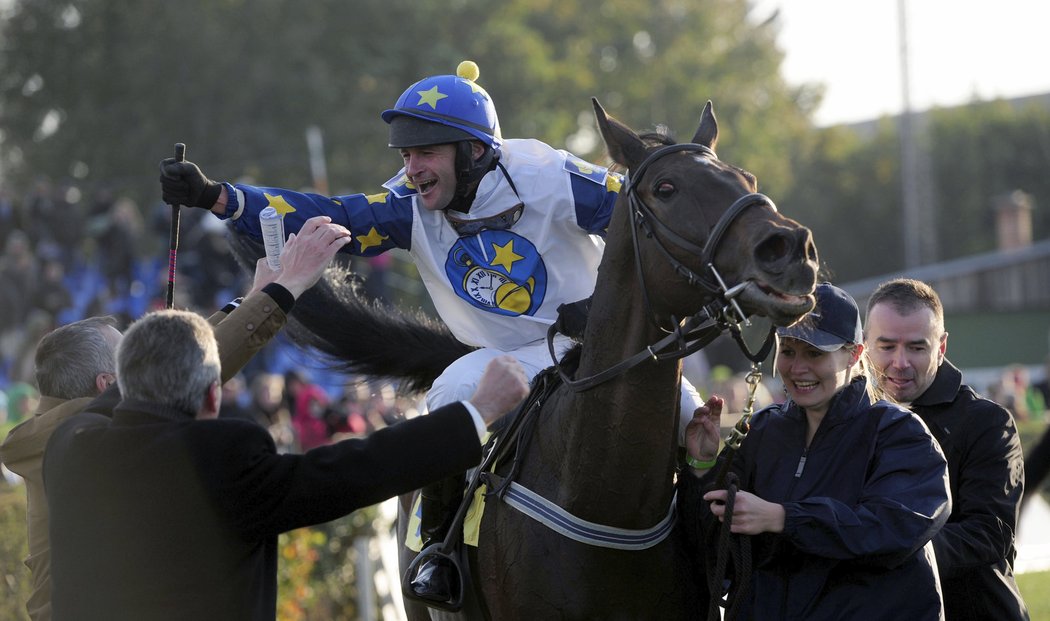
(664, 190)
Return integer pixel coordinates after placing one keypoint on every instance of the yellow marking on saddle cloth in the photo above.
(471, 523)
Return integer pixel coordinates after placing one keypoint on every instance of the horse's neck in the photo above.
(622, 434)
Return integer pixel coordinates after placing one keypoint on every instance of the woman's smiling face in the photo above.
(812, 376)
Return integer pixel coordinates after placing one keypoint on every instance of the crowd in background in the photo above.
(65, 256)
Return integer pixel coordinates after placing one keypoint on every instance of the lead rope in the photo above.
(738, 546)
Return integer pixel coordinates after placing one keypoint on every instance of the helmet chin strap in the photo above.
(469, 173)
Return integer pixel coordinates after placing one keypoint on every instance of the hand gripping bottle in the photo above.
(272, 225)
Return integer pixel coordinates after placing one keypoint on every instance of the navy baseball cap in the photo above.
(833, 323)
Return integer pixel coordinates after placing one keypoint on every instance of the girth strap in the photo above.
(568, 525)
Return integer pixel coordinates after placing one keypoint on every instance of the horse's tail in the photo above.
(355, 334)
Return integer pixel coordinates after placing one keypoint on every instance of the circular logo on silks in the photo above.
(497, 271)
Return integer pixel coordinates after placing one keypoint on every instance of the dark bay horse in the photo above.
(607, 454)
(689, 232)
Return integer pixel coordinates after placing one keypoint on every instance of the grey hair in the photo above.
(69, 358)
(169, 357)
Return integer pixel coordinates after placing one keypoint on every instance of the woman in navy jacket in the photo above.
(841, 492)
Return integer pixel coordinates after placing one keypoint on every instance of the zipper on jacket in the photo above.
(801, 463)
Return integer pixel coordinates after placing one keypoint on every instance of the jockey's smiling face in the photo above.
(432, 170)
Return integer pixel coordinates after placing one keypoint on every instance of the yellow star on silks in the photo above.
(374, 238)
(505, 256)
(614, 183)
(430, 97)
(377, 198)
(278, 203)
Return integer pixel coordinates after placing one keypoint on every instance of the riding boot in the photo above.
(436, 579)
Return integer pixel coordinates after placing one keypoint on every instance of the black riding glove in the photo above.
(182, 183)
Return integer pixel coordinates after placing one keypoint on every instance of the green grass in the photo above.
(1035, 588)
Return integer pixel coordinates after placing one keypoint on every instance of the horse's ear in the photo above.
(625, 147)
(707, 133)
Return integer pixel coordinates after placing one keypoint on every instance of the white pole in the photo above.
(318, 168)
(366, 600)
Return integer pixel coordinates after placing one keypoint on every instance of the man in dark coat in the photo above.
(168, 512)
(75, 370)
(906, 339)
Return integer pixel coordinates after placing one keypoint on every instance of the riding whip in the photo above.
(173, 243)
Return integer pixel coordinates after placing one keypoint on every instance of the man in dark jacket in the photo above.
(906, 339)
(167, 512)
(75, 364)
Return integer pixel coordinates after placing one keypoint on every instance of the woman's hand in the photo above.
(702, 433)
(751, 514)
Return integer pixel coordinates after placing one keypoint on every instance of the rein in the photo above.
(738, 547)
(721, 314)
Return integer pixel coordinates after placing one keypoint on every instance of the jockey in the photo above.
(502, 233)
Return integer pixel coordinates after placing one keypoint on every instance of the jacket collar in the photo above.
(844, 404)
(134, 410)
(944, 388)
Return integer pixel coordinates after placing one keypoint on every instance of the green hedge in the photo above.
(14, 575)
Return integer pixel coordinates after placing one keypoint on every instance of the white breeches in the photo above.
(459, 381)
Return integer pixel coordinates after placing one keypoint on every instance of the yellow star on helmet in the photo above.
(505, 256)
(430, 97)
(374, 238)
(278, 203)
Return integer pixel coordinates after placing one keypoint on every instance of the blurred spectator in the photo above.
(308, 405)
(22, 399)
(1014, 392)
(40, 214)
(1042, 388)
(119, 232)
(52, 296)
(375, 276)
(68, 229)
(267, 407)
(18, 277)
(209, 264)
(346, 417)
(233, 406)
(1037, 458)
(9, 215)
(37, 324)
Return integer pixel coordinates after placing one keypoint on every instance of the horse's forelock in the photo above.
(660, 137)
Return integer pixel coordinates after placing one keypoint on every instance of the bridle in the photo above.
(721, 314)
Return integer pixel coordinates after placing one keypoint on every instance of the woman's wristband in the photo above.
(700, 465)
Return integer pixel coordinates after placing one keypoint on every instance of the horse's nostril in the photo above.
(773, 249)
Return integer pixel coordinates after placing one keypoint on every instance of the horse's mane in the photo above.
(353, 333)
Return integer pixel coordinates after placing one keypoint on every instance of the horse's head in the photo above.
(690, 211)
